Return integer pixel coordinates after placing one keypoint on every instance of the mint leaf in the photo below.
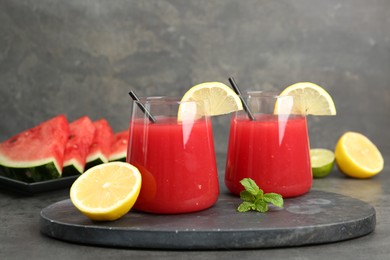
(245, 206)
(259, 195)
(250, 186)
(261, 206)
(255, 199)
(274, 198)
(247, 196)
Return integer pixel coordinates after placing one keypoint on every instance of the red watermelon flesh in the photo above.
(119, 146)
(36, 154)
(80, 139)
(99, 151)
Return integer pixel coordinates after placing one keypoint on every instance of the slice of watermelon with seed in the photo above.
(80, 139)
(36, 154)
(99, 151)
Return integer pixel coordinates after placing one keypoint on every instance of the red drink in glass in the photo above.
(177, 163)
(273, 150)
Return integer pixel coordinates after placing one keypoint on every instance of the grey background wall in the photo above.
(81, 57)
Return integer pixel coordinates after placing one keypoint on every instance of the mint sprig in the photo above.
(255, 199)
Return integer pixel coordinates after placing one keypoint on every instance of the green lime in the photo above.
(322, 161)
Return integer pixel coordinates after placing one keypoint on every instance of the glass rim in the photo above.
(266, 94)
(162, 100)
(274, 95)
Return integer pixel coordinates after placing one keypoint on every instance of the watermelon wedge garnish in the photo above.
(80, 139)
(36, 154)
(100, 149)
(119, 146)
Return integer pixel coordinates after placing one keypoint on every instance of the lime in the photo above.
(322, 161)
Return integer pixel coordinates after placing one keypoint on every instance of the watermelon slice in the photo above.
(119, 146)
(36, 154)
(99, 151)
(80, 139)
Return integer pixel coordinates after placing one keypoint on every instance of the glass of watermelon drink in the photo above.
(273, 149)
(175, 157)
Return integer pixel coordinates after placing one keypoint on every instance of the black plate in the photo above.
(315, 218)
(36, 187)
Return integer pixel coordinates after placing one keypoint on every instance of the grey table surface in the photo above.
(20, 237)
(93, 52)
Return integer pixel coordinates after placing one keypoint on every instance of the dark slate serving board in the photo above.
(315, 218)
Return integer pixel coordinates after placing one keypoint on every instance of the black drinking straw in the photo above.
(238, 92)
(142, 107)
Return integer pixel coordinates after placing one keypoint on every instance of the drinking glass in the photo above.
(273, 149)
(175, 156)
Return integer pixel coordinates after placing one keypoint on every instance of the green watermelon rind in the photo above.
(121, 157)
(32, 173)
(95, 159)
(94, 163)
(72, 167)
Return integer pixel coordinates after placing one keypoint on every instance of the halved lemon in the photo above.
(212, 98)
(357, 156)
(310, 99)
(107, 191)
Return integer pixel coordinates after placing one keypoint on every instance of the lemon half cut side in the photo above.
(212, 98)
(106, 191)
(309, 99)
